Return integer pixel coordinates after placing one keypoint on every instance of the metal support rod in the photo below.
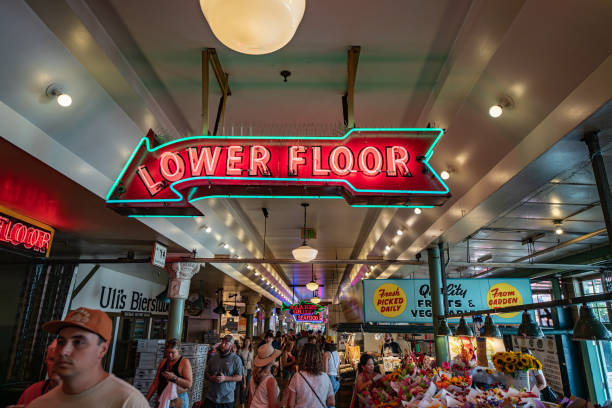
(349, 97)
(601, 297)
(443, 271)
(204, 92)
(437, 301)
(601, 179)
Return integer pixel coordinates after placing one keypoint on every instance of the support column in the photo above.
(605, 196)
(437, 302)
(567, 350)
(601, 179)
(180, 275)
(251, 305)
(268, 308)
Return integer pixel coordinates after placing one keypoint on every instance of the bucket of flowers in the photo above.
(515, 367)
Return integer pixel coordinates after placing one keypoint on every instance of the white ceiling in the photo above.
(134, 65)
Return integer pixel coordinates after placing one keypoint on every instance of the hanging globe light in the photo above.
(315, 299)
(304, 253)
(253, 26)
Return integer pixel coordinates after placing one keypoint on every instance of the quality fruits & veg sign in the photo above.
(409, 300)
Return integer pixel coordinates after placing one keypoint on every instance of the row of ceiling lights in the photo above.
(225, 245)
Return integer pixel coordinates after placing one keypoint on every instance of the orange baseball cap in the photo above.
(93, 320)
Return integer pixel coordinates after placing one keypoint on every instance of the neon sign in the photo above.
(366, 167)
(308, 318)
(24, 235)
(302, 308)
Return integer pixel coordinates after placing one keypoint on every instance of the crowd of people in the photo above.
(275, 371)
(278, 371)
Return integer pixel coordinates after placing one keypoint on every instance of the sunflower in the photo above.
(508, 358)
(538, 365)
(510, 368)
(520, 365)
(525, 360)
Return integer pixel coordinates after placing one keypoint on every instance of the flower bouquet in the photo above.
(516, 366)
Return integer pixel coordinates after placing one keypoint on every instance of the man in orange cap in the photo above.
(82, 342)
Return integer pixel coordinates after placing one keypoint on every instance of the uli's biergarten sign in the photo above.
(374, 167)
(409, 300)
(24, 235)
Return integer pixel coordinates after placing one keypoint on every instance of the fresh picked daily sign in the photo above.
(409, 300)
(365, 167)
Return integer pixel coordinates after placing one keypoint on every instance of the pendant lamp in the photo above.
(219, 309)
(304, 253)
(529, 327)
(491, 329)
(443, 329)
(315, 299)
(312, 285)
(253, 26)
(588, 327)
(235, 311)
(463, 330)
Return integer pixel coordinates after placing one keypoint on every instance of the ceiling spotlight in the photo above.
(249, 267)
(558, 229)
(63, 99)
(399, 232)
(207, 229)
(496, 111)
(505, 102)
(387, 248)
(225, 246)
(372, 267)
(417, 211)
(445, 175)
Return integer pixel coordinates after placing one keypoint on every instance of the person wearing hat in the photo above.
(263, 389)
(42, 387)
(223, 371)
(82, 342)
(331, 362)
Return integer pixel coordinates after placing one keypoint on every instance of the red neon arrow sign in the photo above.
(367, 167)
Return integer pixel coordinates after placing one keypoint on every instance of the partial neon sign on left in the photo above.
(24, 235)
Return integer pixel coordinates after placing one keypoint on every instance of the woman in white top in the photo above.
(246, 355)
(331, 361)
(311, 386)
(263, 389)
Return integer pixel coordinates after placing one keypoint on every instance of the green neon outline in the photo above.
(427, 156)
(161, 216)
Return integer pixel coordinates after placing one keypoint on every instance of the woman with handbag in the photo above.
(174, 368)
(311, 387)
(263, 389)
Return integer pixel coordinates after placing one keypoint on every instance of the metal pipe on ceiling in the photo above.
(576, 240)
(318, 262)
